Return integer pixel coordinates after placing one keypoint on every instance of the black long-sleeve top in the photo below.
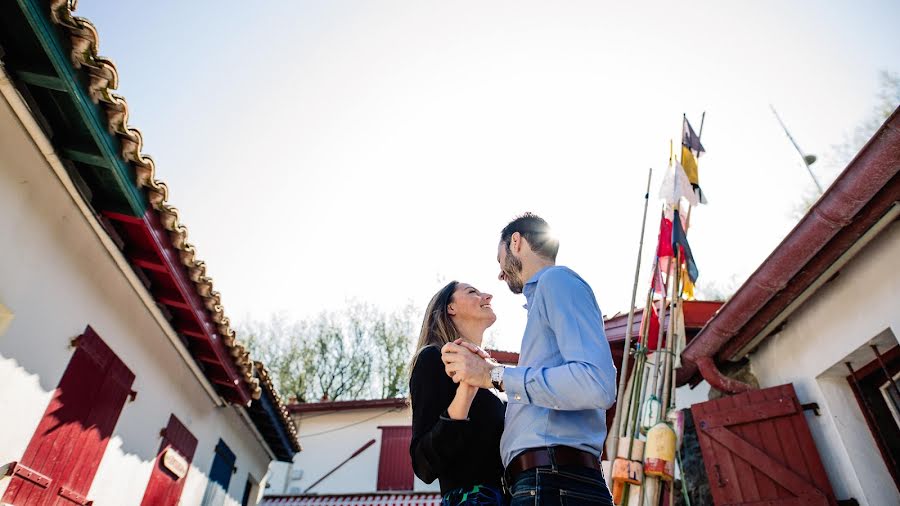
(458, 453)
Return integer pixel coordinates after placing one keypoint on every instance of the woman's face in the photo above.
(467, 303)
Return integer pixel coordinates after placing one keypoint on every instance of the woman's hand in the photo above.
(468, 363)
(462, 401)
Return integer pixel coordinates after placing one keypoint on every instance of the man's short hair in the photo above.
(536, 231)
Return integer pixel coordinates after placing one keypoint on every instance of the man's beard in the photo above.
(512, 271)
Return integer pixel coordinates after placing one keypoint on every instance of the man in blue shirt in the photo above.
(564, 382)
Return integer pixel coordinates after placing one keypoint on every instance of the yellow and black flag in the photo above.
(690, 143)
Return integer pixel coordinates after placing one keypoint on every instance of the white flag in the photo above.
(676, 186)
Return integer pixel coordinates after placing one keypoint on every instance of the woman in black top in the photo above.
(456, 428)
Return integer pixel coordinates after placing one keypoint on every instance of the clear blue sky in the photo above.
(320, 151)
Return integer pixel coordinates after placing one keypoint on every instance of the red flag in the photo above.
(659, 281)
(652, 319)
(664, 243)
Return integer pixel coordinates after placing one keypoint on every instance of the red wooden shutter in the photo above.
(757, 449)
(164, 487)
(395, 470)
(70, 439)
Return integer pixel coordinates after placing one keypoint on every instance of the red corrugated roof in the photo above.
(373, 499)
(504, 357)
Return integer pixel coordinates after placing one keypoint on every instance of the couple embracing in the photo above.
(543, 444)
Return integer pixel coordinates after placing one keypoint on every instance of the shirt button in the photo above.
(518, 397)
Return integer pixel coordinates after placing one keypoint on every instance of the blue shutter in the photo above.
(219, 476)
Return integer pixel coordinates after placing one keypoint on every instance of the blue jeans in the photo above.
(560, 485)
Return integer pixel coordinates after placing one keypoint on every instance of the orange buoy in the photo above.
(625, 470)
(659, 454)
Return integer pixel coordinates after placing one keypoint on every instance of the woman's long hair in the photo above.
(437, 327)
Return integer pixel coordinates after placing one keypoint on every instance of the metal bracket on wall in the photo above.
(812, 406)
(6, 317)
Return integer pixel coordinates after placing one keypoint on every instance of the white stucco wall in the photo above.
(860, 305)
(322, 453)
(56, 277)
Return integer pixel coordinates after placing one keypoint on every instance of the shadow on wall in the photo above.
(86, 410)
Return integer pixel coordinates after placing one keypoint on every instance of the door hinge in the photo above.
(73, 496)
(26, 473)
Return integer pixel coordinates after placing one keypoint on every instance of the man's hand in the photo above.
(467, 363)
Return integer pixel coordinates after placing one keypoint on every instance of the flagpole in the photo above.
(623, 371)
(700, 133)
(687, 219)
(670, 348)
(640, 352)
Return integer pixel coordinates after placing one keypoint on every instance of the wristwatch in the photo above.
(497, 377)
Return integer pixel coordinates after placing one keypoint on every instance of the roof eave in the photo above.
(870, 179)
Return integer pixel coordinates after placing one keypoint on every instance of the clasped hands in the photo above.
(468, 364)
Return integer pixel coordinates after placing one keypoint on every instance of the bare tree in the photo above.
(355, 353)
(343, 356)
(887, 101)
(283, 347)
(393, 335)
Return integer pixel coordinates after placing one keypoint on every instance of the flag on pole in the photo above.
(679, 239)
(650, 322)
(687, 288)
(676, 185)
(690, 139)
(658, 283)
(664, 244)
(689, 144)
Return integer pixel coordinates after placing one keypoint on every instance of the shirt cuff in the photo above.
(445, 416)
(514, 385)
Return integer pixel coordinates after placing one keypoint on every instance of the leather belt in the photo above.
(557, 455)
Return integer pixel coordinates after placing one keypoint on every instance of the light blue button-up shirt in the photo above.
(565, 380)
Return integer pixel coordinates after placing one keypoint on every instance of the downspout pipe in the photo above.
(719, 381)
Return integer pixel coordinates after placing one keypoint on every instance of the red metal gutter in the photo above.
(867, 187)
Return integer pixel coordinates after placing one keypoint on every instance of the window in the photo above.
(251, 491)
(879, 400)
(395, 470)
(63, 455)
(891, 393)
(219, 476)
(172, 464)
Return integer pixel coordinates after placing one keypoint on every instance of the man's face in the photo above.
(510, 268)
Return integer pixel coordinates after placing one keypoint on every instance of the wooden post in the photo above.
(613, 438)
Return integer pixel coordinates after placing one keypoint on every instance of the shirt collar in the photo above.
(530, 286)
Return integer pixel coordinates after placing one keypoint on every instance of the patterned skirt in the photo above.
(479, 495)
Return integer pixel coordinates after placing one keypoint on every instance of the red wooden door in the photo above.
(395, 470)
(168, 477)
(61, 459)
(757, 447)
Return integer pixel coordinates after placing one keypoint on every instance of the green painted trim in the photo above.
(77, 155)
(42, 81)
(121, 171)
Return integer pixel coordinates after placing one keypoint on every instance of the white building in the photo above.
(355, 453)
(377, 432)
(818, 322)
(121, 381)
